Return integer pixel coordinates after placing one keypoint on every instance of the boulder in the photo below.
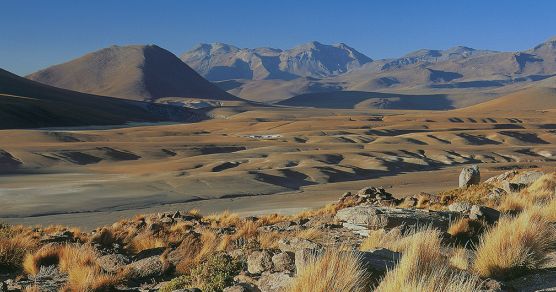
(462, 207)
(274, 282)
(295, 244)
(241, 287)
(283, 262)
(481, 212)
(259, 261)
(527, 177)
(111, 263)
(146, 268)
(378, 260)
(469, 176)
(496, 194)
(374, 193)
(386, 217)
(511, 187)
(360, 215)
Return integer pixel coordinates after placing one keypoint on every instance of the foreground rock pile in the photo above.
(184, 251)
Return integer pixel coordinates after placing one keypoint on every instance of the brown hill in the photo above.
(532, 98)
(28, 104)
(131, 72)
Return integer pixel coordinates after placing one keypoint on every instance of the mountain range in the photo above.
(465, 75)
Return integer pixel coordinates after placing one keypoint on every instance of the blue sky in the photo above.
(36, 34)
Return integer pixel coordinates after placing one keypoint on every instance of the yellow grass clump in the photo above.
(423, 268)
(334, 271)
(515, 245)
(78, 261)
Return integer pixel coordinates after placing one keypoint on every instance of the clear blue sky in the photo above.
(36, 34)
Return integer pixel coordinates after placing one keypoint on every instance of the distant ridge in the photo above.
(220, 61)
(131, 72)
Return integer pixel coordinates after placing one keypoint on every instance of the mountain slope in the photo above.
(533, 98)
(131, 72)
(28, 104)
(219, 61)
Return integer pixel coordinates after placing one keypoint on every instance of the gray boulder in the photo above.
(274, 282)
(146, 268)
(259, 261)
(283, 262)
(295, 244)
(511, 187)
(462, 207)
(385, 217)
(378, 260)
(111, 263)
(469, 176)
(481, 212)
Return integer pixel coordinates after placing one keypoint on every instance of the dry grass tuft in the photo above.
(464, 230)
(13, 248)
(515, 245)
(423, 268)
(47, 255)
(145, 241)
(382, 239)
(459, 259)
(333, 271)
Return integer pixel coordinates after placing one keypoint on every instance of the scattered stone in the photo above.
(167, 220)
(469, 176)
(259, 261)
(481, 212)
(241, 287)
(384, 217)
(374, 193)
(462, 207)
(111, 263)
(379, 260)
(283, 262)
(146, 268)
(496, 194)
(177, 214)
(357, 229)
(540, 280)
(274, 282)
(295, 244)
(510, 187)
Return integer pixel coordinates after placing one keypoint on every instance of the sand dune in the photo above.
(260, 151)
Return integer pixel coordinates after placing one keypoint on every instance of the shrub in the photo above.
(214, 274)
(13, 250)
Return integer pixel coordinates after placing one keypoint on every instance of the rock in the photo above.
(508, 175)
(540, 280)
(241, 287)
(496, 194)
(283, 262)
(379, 260)
(147, 253)
(357, 229)
(146, 268)
(295, 244)
(481, 212)
(527, 177)
(167, 220)
(469, 176)
(386, 217)
(274, 282)
(462, 207)
(259, 261)
(176, 215)
(492, 285)
(374, 193)
(111, 263)
(360, 215)
(510, 187)
(3, 287)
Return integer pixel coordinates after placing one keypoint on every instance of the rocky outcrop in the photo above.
(469, 176)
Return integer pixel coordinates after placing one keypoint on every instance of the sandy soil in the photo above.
(297, 158)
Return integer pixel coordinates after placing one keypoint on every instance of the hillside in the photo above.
(28, 104)
(131, 72)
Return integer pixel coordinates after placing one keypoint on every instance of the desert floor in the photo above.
(257, 160)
